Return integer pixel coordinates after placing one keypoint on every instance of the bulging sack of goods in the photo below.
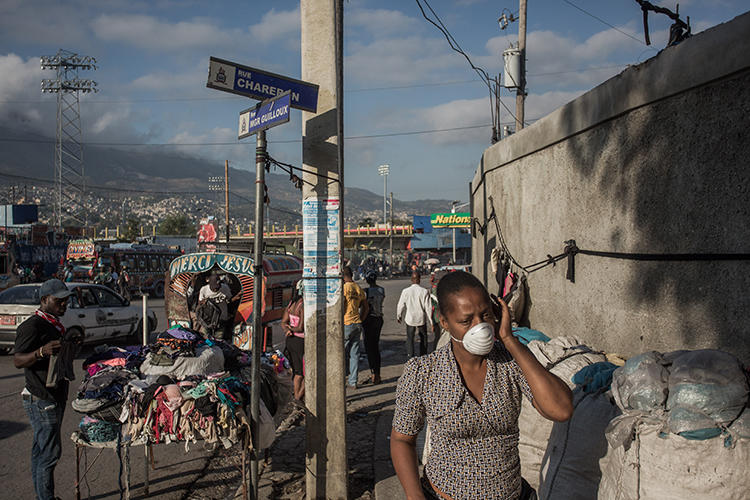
(565, 357)
(684, 429)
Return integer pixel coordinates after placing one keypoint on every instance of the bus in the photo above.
(145, 264)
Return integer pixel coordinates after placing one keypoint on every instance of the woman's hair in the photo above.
(453, 283)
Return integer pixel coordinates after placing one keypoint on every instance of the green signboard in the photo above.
(459, 219)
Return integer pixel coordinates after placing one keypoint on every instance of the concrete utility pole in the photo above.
(521, 95)
(322, 156)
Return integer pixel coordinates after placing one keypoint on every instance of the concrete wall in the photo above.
(655, 160)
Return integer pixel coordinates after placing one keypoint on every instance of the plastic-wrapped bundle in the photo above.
(642, 383)
(707, 391)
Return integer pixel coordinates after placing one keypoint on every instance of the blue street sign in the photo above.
(265, 115)
(259, 84)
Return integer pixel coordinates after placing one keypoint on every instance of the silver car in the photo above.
(94, 310)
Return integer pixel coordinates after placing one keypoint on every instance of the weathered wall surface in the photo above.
(655, 160)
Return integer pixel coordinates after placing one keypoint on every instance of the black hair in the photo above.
(453, 283)
(348, 271)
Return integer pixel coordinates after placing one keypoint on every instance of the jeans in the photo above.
(46, 419)
(372, 326)
(352, 333)
(422, 330)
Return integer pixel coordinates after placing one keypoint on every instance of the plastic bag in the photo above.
(642, 383)
(707, 389)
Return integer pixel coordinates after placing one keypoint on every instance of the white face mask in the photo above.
(479, 339)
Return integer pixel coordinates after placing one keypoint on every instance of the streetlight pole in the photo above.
(453, 211)
(384, 170)
(454, 205)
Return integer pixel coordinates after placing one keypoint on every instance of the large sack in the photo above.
(570, 467)
(563, 356)
(207, 360)
(674, 468)
(707, 390)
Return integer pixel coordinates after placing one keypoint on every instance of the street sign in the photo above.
(258, 84)
(264, 115)
(459, 219)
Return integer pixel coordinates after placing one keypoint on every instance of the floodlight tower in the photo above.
(70, 183)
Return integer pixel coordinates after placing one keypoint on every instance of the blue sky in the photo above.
(153, 61)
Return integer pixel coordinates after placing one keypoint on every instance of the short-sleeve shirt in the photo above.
(353, 299)
(30, 336)
(220, 297)
(474, 446)
(375, 297)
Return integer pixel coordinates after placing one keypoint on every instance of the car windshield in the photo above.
(24, 295)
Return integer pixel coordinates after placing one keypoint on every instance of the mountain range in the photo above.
(27, 158)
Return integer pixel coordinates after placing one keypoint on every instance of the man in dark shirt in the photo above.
(38, 338)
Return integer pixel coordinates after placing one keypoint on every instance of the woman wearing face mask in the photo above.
(470, 393)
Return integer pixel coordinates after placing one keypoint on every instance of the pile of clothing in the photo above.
(103, 357)
(101, 395)
(180, 388)
(213, 409)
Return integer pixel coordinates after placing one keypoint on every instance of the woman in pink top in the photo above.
(293, 323)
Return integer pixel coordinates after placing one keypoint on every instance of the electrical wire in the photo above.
(168, 144)
(604, 22)
(457, 48)
(236, 98)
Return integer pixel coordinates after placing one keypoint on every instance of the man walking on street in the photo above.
(44, 397)
(355, 308)
(415, 308)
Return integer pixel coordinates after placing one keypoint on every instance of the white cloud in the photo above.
(380, 21)
(148, 32)
(21, 101)
(277, 25)
(400, 61)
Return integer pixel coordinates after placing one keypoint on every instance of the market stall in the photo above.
(182, 389)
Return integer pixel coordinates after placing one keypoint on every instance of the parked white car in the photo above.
(95, 310)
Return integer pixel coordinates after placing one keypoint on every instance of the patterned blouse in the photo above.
(474, 445)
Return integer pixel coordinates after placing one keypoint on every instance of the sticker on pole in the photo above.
(265, 115)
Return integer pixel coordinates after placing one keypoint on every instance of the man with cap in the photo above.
(37, 339)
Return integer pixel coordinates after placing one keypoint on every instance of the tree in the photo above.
(367, 221)
(132, 229)
(177, 225)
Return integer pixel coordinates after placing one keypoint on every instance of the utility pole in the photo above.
(226, 199)
(257, 340)
(521, 93)
(322, 217)
(390, 238)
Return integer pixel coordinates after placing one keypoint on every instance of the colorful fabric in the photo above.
(51, 320)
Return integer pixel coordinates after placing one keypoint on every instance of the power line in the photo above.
(457, 48)
(236, 98)
(604, 22)
(167, 144)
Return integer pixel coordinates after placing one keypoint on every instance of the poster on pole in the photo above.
(320, 238)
